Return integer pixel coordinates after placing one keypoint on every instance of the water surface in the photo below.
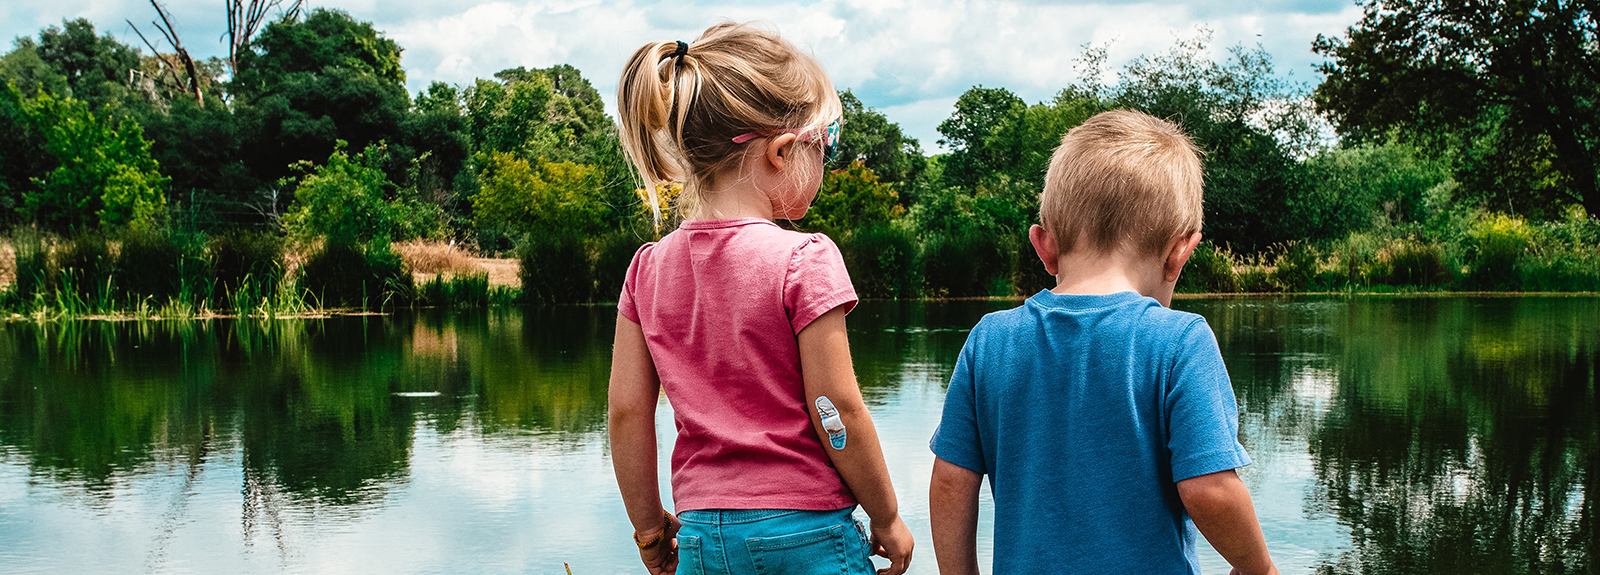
(1391, 435)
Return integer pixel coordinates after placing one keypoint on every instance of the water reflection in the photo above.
(1432, 435)
(323, 411)
(1445, 435)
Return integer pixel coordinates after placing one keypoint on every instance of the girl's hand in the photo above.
(892, 540)
(661, 558)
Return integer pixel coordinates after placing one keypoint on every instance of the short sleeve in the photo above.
(957, 439)
(817, 282)
(625, 301)
(1202, 415)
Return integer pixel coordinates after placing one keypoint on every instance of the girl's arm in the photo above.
(631, 418)
(825, 366)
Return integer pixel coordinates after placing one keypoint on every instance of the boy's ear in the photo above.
(1177, 255)
(1044, 244)
(778, 149)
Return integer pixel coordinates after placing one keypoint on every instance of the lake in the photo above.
(1391, 435)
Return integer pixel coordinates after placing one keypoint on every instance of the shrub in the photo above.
(555, 268)
(1498, 242)
(1210, 270)
(242, 257)
(966, 264)
(613, 253)
(86, 267)
(882, 261)
(344, 274)
(161, 265)
(1296, 266)
(463, 290)
(31, 259)
(1358, 259)
(1413, 263)
(1254, 278)
(1561, 270)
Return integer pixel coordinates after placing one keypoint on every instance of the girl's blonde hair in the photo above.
(681, 109)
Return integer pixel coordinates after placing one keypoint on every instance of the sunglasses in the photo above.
(830, 138)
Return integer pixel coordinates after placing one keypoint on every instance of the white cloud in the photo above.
(910, 58)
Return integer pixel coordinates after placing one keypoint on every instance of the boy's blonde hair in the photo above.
(1123, 179)
(681, 109)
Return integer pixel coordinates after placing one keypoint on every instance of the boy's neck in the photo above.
(1086, 272)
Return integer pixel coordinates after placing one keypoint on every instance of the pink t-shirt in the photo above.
(721, 303)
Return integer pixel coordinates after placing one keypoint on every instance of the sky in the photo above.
(909, 59)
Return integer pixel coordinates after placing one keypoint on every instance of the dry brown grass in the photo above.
(502, 271)
(429, 257)
(8, 265)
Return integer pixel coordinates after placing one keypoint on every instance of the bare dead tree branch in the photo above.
(170, 68)
(192, 85)
(245, 18)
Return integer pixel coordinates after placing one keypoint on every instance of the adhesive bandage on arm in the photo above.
(831, 422)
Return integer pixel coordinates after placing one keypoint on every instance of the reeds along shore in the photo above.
(241, 273)
(260, 274)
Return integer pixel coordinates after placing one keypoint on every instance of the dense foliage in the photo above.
(1465, 159)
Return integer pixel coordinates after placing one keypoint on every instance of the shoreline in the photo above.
(13, 317)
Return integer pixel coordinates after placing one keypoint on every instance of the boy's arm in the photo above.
(631, 419)
(953, 510)
(1220, 506)
(825, 366)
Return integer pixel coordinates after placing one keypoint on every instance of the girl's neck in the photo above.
(740, 198)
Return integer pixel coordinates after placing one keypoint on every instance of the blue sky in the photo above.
(909, 58)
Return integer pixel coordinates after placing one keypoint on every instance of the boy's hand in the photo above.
(892, 540)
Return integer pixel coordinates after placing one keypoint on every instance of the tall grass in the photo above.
(342, 275)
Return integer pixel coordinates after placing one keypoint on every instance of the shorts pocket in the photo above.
(689, 562)
(814, 552)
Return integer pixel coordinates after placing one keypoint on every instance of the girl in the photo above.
(742, 323)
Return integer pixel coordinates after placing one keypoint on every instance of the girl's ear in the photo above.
(779, 149)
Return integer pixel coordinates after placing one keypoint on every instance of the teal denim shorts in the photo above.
(772, 542)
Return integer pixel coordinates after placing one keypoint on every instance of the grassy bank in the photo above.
(251, 274)
(256, 274)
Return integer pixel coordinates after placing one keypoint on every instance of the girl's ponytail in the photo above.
(681, 104)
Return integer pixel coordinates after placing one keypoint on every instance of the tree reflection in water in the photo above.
(1429, 435)
(1459, 435)
(322, 411)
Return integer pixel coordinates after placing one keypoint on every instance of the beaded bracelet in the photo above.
(666, 521)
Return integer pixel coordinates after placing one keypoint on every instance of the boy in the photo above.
(1104, 420)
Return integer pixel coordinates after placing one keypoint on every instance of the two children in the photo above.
(1104, 420)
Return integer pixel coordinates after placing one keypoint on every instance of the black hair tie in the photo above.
(683, 50)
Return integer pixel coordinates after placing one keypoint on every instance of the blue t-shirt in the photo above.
(1085, 411)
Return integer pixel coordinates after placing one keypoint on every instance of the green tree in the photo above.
(103, 171)
(522, 197)
(324, 39)
(1509, 86)
(305, 84)
(350, 200)
(94, 68)
(1352, 189)
(23, 68)
(1249, 123)
(980, 114)
(852, 198)
(867, 136)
